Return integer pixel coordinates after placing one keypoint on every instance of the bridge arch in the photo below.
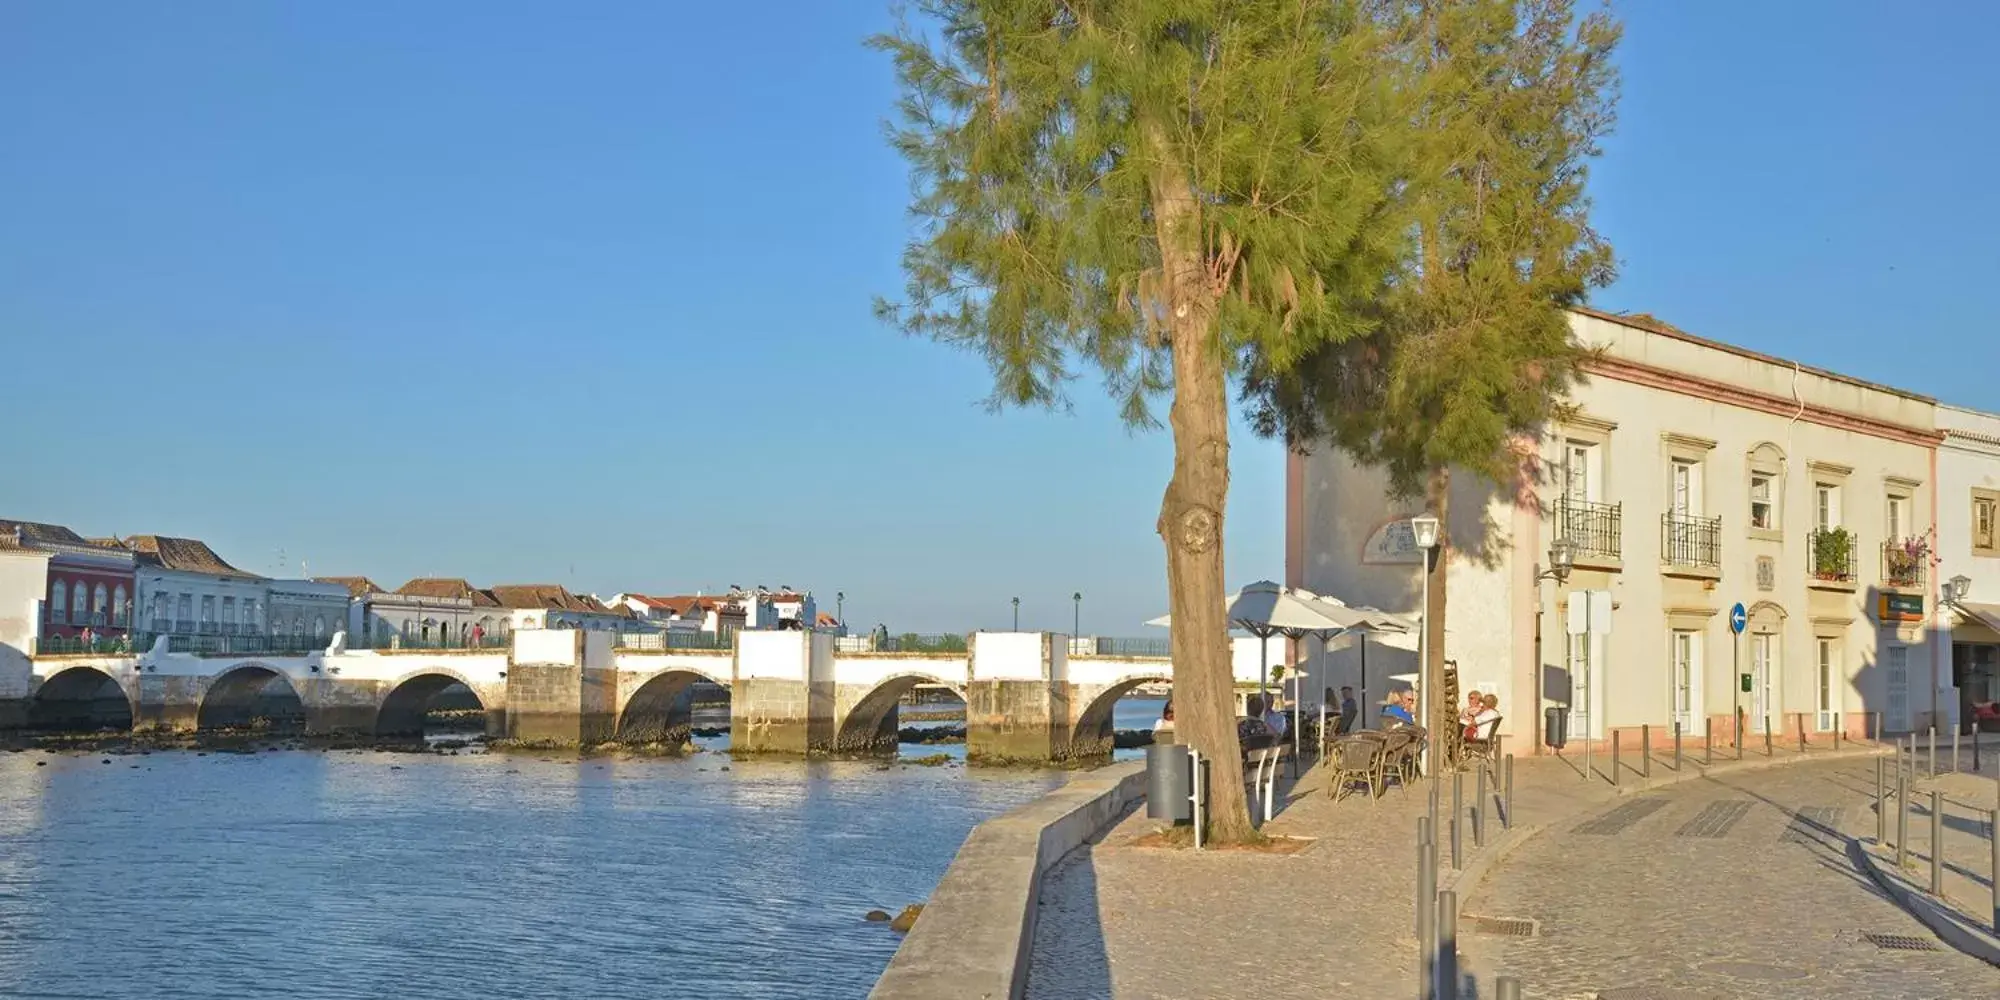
(869, 724)
(80, 698)
(411, 699)
(661, 709)
(1091, 734)
(238, 697)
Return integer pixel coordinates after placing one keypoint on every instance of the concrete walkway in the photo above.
(1966, 801)
(1336, 919)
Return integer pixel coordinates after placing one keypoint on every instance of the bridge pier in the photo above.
(1017, 701)
(562, 688)
(782, 698)
(168, 703)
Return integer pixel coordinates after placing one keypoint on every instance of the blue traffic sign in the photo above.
(1738, 618)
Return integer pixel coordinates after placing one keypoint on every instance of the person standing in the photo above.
(1349, 710)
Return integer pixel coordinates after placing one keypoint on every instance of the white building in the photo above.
(1969, 547)
(305, 608)
(546, 605)
(1691, 476)
(186, 589)
(24, 574)
(428, 611)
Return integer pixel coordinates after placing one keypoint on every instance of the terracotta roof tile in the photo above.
(185, 554)
(445, 587)
(37, 533)
(357, 586)
(547, 596)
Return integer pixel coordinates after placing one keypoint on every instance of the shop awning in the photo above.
(1977, 615)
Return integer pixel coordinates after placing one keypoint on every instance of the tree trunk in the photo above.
(1191, 512)
(1443, 714)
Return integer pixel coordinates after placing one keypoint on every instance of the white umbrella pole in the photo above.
(1363, 714)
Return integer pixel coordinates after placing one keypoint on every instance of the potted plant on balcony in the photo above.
(1905, 560)
(1832, 554)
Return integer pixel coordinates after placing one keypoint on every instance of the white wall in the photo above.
(24, 579)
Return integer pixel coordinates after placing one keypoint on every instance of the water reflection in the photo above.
(362, 874)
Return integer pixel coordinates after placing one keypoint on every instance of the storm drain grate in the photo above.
(1499, 926)
(1812, 824)
(1900, 942)
(1620, 819)
(1715, 820)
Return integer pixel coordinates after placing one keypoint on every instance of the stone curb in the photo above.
(975, 940)
(1947, 923)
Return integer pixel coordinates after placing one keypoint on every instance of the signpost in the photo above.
(1739, 619)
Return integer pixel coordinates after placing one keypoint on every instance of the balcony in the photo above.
(1691, 544)
(1905, 564)
(1596, 531)
(87, 618)
(1830, 559)
(160, 625)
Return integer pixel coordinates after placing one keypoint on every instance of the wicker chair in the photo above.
(1357, 761)
(1482, 750)
(1410, 766)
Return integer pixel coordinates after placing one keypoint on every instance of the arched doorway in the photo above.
(252, 697)
(873, 724)
(674, 709)
(433, 704)
(80, 699)
(1095, 731)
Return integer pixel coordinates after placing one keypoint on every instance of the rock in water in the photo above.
(906, 919)
(876, 916)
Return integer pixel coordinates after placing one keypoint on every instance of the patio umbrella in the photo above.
(1373, 621)
(1265, 609)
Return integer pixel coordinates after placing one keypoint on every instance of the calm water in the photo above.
(365, 874)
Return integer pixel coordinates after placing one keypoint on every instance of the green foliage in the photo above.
(1472, 345)
(1833, 554)
(1038, 134)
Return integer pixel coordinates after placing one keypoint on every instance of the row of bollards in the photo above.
(1906, 771)
(1437, 912)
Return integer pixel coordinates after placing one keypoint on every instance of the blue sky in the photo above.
(580, 293)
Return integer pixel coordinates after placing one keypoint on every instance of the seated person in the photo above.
(1482, 724)
(1276, 721)
(1396, 712)
(1465, 716)
(1163, 730)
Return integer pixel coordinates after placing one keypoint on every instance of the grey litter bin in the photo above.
(1169, 782)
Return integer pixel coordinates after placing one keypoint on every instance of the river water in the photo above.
(351, 874)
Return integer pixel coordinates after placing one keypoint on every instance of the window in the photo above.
(1578, 484)
(100, 602)
(1986, 522)
(186, 609)
(58, 601)
(1899, 518)
(319, 626)
(1684, 500)
(1828, 671)
(79, 603)
(250, 613)
(1686, 659)
(229, 611)
(118, 605)
(1826, 506)
(159, 606)
(1763, 511)
(299, 626)
(207, 609)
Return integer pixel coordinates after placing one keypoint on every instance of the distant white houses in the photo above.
(427, 611)
(548, 605)
(186, 589)
(732, 610)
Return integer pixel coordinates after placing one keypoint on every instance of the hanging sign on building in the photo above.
(1899, 607)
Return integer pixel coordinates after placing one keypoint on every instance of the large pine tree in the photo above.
(1472, 353)
(1157, 190)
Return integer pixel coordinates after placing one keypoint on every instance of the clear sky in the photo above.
(579, 293)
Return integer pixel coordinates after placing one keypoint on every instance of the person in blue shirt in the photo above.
(1398, 711)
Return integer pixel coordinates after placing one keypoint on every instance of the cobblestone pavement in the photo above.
(1736, 886)
(1967, 799)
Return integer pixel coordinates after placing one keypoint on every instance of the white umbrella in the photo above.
(1375, 622)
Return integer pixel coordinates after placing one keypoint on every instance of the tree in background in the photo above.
(1472, 354)
(1156, 189)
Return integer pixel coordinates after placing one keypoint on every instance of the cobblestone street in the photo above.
(1661, 891)
(1732, 887)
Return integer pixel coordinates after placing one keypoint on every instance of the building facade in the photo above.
(186, 589)
(1969, 548)
(1688, 477)
(87, 592)
(547, 605)
(305, 608)
(433, 611)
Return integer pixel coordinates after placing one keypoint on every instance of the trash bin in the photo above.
(1169, 783)
(1555, 727)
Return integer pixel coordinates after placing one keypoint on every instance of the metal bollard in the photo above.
(1447, 945)
(1838, 725)
(1736, 735)
(1426, 920)
(1507, 988)
(1902, 819)
(1507, 806)
(1479, 812)
(1993, 874)
(1802, 732)
(1881, 815)
(1457, 815)
(1707, 741)
(1937, 843)
(1767, 736)
(1876, 717)
(1930, 769)
(1615, 741)
(1954, 749)
(1677, 748)
(1646, 750)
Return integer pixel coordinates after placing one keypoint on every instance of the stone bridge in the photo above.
(1026, 698)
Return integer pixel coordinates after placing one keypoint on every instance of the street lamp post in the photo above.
(840, 607)
(1017, 614)
(1424, 528)
(1562, 559)
(1955, 590)
(1076, 621)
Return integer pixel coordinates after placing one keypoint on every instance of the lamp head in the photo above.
(1562, 558)
(1425, 528)
(1957, 587)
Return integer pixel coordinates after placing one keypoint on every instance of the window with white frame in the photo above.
(1985, 522)
(79, 604)
(1685, 487)
(58, 600)
(100, 605)
(119, 616)
(250, 613)
(1827, 679)
(186, 609)
(1826, 506)
(1579, 472)
(1763, 500)
(1685, 656)
(1898, 516)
